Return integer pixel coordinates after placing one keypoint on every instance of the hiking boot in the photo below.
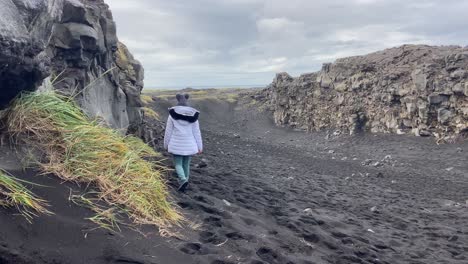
(183, 186)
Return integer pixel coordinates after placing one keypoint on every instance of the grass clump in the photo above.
(14, 194)
(147, 99)
(148, 112)
(104, 217)
(77, 149)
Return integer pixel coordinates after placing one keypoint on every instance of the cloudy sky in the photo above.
(245, 42)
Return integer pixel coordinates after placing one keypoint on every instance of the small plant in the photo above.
(147, 99)
(105, 217)
(151, 113)
(80, 150)
(232, 97)
(14, 194)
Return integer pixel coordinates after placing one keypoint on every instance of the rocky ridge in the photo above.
(72, 43)
(415, 89)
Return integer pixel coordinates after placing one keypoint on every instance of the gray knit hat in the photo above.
(182, 99)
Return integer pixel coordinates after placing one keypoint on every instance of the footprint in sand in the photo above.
(235, 236)
(311, 238)
(339, 235)
(249, 221)
(126, 261)
(213, 221)
(273, 232)
(210, 237)
(203, 199)
(256, 262)
(308, 220)
(270, 256)
(185, 205)
(209, 210)
(221, 262)
(193, 249)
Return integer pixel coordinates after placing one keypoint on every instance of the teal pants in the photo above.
(182, 167)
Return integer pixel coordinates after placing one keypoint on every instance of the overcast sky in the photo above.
(245, 42)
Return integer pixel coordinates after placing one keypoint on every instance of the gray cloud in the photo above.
(235, 42)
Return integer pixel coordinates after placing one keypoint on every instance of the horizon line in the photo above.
(205, 86)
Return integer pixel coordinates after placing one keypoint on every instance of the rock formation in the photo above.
(410, 89)
(73, 45)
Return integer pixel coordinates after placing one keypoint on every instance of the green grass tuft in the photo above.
(14, 194)
(81, 150)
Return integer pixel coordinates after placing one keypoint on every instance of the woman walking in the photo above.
(183, 137)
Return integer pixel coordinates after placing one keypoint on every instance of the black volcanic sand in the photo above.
(273, 195)
(67, 237)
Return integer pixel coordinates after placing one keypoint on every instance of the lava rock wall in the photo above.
(71, 44)
(410, 89)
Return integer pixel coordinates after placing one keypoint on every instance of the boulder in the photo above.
(437, 98)
(326, 81)
(459, 88)
(459, 74)
(419, 80)
(444, 115)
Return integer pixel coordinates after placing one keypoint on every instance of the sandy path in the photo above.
(270, 195)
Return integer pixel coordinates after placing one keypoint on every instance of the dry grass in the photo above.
(81, 150)
(14, 194)
(147, 99)
(104, 217)
(151, 113)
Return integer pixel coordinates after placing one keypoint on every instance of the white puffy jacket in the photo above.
(183, 136)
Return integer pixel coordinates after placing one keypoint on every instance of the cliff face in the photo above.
(73, 44)
(410, 89)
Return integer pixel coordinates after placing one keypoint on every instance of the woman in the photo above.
(183, 137)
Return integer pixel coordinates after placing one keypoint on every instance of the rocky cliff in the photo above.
(73, 45)
(410, 89)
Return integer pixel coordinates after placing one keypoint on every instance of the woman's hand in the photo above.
(200, 152)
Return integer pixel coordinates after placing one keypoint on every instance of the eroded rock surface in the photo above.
(410, 89)
(74, 43)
